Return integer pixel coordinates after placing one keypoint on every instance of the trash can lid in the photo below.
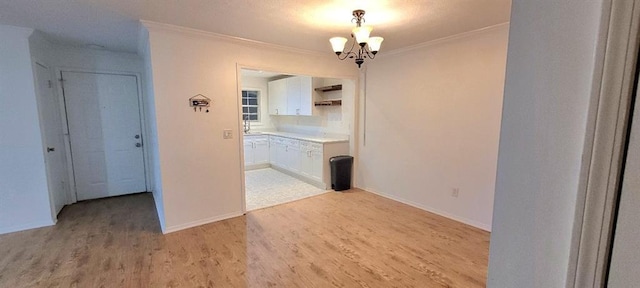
(341, 157)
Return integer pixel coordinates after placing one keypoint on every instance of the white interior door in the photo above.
(53, 138)
(105, 132)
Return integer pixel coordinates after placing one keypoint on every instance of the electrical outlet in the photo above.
(227, 134)
(455, 192)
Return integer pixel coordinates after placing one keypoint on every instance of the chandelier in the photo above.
(367, 47)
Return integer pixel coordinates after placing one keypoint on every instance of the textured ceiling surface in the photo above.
(300, 24)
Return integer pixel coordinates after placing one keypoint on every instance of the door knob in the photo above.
(138, 145)
(51, 149)
(137, 136)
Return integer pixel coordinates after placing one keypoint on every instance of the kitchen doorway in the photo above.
(292, 124)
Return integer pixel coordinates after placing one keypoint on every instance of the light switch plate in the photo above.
(227, 134)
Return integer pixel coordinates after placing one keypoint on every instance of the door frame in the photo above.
(65, 121)
(607, 125)
(355, 124)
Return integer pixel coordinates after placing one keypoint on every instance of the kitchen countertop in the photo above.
(305, 137)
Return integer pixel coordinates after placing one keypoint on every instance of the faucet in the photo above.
(247, 124)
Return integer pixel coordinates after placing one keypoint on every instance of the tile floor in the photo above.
(269, 187)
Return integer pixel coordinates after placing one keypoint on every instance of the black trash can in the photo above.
(341, 167)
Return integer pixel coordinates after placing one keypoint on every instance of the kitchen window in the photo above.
(251, 105)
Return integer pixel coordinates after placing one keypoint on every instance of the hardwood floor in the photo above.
(353, 239)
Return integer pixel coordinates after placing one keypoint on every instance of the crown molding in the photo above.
(151, 25)
(445, 39)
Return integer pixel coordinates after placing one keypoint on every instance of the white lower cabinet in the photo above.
(279, 151)
(248, 152)
(273, 151)
(256, 151)
(311, 160)
(261, 151)
(292, 159)
(307, 160)
(317, 166)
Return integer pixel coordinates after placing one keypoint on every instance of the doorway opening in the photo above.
(292, 125)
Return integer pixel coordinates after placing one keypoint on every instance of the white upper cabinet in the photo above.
(278, 97)
(291, 96)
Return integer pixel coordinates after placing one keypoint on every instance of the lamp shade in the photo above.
(362, 34)
(337, 43)
(374, 43)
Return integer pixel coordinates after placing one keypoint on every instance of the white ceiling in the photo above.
(301, 24)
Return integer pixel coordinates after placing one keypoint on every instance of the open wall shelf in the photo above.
(329, 88)
(328, 103)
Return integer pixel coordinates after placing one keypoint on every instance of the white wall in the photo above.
(201, 171)
(551, 63)
(24, 195)
(431, 122)
(151, 143)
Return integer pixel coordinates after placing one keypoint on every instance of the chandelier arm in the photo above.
(345, 55)
(370, 54)
(348, 53)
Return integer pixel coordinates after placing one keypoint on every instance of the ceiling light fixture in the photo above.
(368, 47)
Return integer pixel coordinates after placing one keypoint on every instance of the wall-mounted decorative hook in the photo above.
(199, 101)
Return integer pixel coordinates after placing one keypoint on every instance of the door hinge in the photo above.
(49, 83)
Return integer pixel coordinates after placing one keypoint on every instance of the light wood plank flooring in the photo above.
(352, 239)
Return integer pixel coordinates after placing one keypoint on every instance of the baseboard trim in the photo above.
(192, 224)
(27, 226)
(256, 166)
(463, 220)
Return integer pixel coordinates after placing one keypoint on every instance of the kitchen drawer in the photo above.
(310, 146)
(275, 139)
(291, 142)
(256, 137)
